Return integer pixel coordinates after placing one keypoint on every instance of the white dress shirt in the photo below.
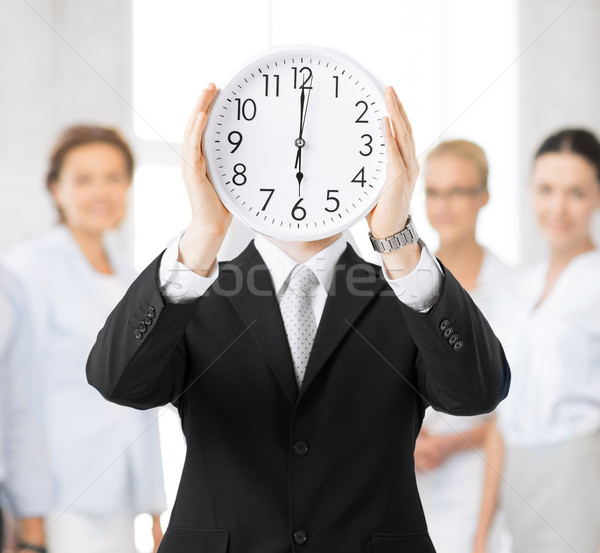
(98, 450)
(418, 290)
(555, 357)
(24, 469)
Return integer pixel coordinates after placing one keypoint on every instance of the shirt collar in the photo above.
(280, 264)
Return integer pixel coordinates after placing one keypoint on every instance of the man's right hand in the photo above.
(200, 244)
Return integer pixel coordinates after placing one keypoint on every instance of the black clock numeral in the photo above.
(360, 117)
(235, 139)
(298, 212)
(368, 145)
(271, 190)
(360, 177)
(337, 84)
(239, 177)
(307, 77)
(276, 77)
(248, 113)
(336, 200)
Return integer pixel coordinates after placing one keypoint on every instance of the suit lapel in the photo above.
(355, 285)
(257, 306)
(255, 302)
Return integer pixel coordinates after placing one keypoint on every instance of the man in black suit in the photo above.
(294, 444)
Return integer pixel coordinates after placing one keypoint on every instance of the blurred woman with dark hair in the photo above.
(105, 459)
(550, 423)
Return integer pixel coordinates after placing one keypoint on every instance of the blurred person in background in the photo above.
(25, 483)
(449, 452)
(105, 459)
(549, 430)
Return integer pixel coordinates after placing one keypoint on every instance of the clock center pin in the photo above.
(299, 142)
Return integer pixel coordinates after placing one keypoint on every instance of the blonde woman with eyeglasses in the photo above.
(449, 455)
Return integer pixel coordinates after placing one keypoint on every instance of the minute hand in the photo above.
(299, 139)
(303, 111)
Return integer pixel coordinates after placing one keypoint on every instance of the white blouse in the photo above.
(555, 357)
(23, 457)
(451, 493)
(98, 450)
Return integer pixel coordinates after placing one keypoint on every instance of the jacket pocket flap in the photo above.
(194, 540)
(402, 543)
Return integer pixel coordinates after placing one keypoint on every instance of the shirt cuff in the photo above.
(178, 283)
(420, 289)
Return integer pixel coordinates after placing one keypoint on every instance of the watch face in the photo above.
(294, 145)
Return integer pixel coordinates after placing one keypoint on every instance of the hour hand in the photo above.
(298, 166)
(299, 176)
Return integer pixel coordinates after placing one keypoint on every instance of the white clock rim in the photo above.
(211, 166)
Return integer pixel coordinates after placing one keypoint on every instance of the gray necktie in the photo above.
(298, 316)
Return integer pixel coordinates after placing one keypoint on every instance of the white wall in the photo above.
(559, 86)
(449, 66)
(61, 62)
(64, 61)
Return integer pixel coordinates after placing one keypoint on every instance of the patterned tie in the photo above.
(298, 316)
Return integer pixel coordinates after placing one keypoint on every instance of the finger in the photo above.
(211, 91)
(193, 136)
(403, 117)
(395, 123)
(408, 126)
(402, 111)
(392, 152)
(204, 100)
(196, 137)
(194, 114)
(400, 130)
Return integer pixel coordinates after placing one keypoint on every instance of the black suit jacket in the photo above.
(270, 469)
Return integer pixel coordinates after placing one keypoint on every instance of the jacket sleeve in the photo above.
(461, 365)
(139, 358)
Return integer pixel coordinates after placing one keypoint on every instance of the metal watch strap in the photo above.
(408, 235)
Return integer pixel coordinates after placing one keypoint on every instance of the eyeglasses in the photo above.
(453, 193)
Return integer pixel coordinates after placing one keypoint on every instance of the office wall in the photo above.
(63, 61)
(559, 86)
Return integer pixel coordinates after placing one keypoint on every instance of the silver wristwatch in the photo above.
(408, 235)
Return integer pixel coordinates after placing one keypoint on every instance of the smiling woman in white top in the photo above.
(24, 474)
(105, 459)
(550, 422)
(449, 453)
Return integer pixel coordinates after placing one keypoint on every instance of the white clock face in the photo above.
(294, 144)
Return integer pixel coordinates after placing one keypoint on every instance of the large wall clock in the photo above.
(294, 145)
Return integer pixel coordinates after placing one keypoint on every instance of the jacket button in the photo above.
(148, 320)
(448, 332)
(458, 346)
(452, 340)
(300, 448)
(137, 334)
(152, 312)
(142, 327)
(444, 324)
(300, 537)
